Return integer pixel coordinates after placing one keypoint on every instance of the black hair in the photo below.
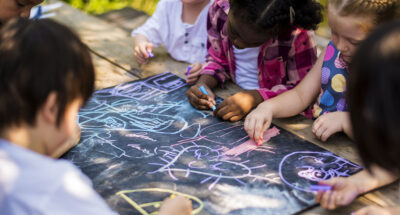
(38, 58)
(374, 97)
(275, 15)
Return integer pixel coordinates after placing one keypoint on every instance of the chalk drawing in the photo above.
(208, 162)
(313, 167)
(155, 205)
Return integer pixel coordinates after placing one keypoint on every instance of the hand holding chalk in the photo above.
(203, 90)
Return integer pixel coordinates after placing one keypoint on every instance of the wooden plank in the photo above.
(108, 75)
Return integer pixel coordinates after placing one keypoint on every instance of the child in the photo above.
(46, 75)
(262, 45)
(181, 26)
(350, 21)
(16, 8)
(374, 103)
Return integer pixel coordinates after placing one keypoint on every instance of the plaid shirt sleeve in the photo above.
(300, 59)
(217, 63)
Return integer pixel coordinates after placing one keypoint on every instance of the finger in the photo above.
(229, 115)
(258, 129)
(149, 47)
(143, 51)
(249, 126)
(327, 133)
(318, 197)
(332, 201)
(320, 131)
(220, 106)
(223, 110)
(325, 199)
(316, 125)
(138, 52)
(235, 118)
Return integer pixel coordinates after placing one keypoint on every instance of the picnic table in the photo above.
(111, 48)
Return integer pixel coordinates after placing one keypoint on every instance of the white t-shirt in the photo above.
(183, 42)
(246, 73)
(31, 183)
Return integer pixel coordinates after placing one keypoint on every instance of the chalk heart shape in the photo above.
(301, 169)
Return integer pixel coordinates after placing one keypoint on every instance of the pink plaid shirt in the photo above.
(282, 62)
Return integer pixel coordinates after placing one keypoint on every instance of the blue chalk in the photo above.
(320, 187)
(203, 90)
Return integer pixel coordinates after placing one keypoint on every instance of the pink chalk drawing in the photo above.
(250, 145)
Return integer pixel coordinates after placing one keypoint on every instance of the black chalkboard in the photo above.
(142, 141)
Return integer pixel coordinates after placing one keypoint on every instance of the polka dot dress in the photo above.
(333, 83)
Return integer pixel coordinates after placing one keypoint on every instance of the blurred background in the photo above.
(98, 7)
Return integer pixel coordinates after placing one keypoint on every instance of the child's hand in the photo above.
(176, 206)
(235, 107)
(258, 121)
(142, 51)
(344, 191)
(331, 123)
(373, 210)
(194, 73)
(200, 100)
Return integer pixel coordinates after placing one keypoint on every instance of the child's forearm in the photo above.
(208, 80)
(347, 127)
(286, 105)
(377, 178)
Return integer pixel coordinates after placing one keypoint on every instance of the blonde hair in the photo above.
(381, 11)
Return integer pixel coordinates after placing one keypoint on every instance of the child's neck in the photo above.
(25, 137)
(190, 12)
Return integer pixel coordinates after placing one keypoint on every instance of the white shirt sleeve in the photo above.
(75, 195)
(155, 25)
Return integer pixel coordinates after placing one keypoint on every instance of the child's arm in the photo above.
(287, 104)
(151, 33)
(331, 123)
(345, 190)
(375, 210)
(215, 68)
(176, 206)
(143, 48)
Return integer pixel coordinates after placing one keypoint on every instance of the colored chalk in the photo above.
(260, 142)
(203, 90)
(151, 55)
(188, 70)
(320, 187)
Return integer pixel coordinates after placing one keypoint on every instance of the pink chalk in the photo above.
(250, 145)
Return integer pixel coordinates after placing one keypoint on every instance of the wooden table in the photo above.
(112, 52)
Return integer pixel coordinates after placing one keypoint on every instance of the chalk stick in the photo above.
(151, 55)
(188, 70)
(320, 187)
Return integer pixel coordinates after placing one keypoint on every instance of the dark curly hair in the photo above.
(373, 98)
(277, 14)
